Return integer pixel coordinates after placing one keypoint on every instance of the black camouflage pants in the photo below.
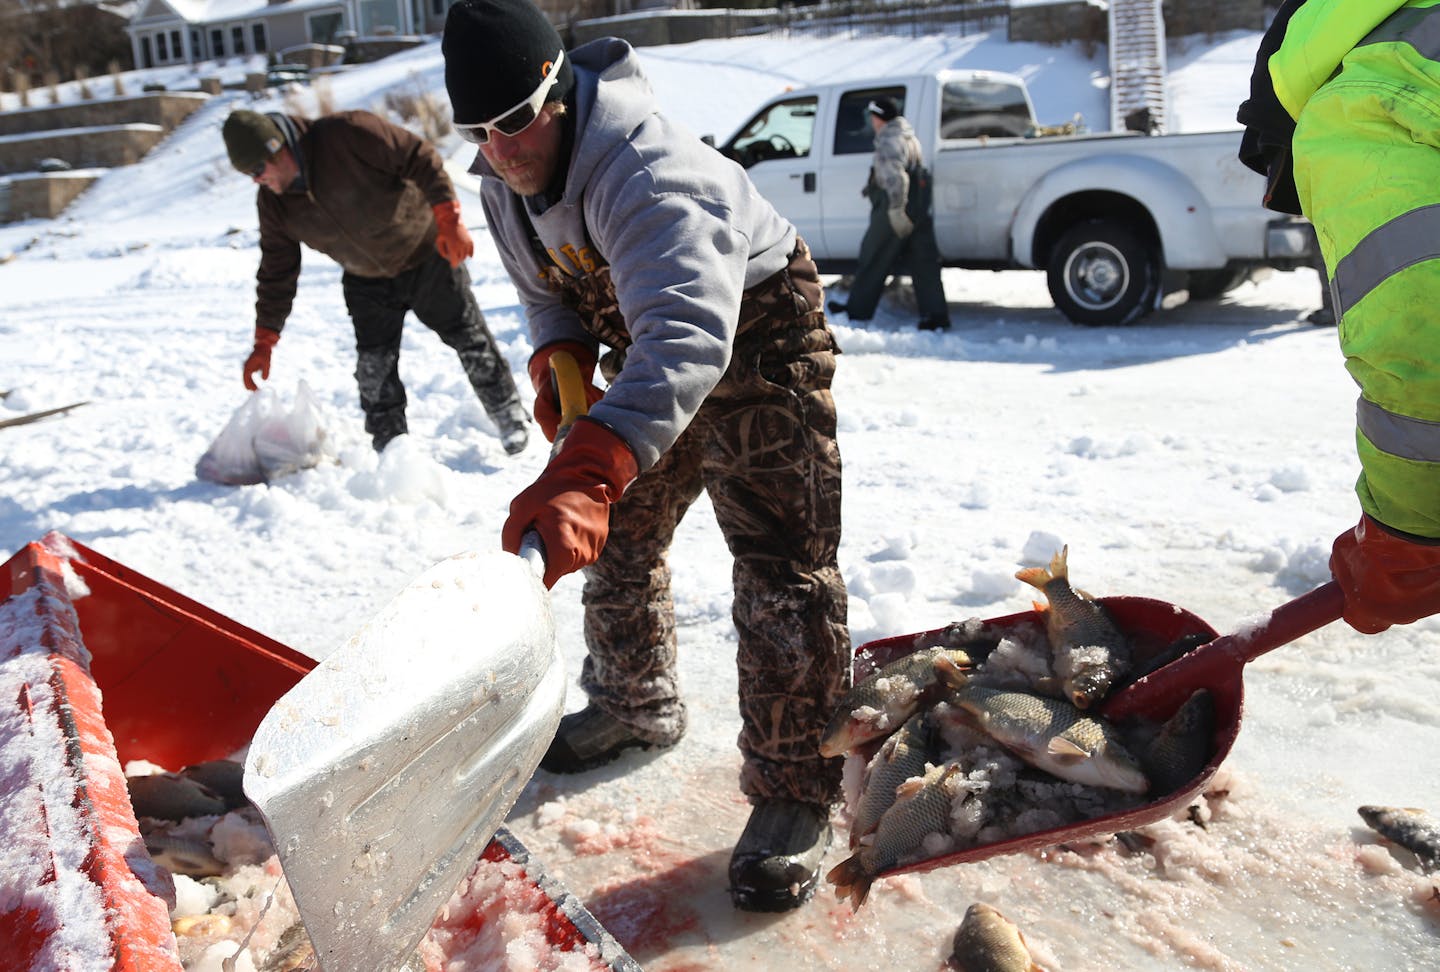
(763, 446)
(441, 298)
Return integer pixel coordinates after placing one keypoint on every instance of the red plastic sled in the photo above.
(99, 666)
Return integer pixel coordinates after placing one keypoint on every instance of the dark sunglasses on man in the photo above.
(515, 120)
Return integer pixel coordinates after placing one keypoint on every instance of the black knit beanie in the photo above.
(496, 54)
(885, 108)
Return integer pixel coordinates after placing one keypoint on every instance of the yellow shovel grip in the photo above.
(569, 389)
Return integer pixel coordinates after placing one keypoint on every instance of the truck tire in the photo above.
(1103, 273)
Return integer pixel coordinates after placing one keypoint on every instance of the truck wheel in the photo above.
(1102, 273)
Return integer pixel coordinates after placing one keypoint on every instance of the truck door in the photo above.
(775, 149)
(844, 208)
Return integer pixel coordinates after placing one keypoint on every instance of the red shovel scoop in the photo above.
(1152, 627)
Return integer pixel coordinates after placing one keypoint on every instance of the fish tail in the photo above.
(850, 881)
(1059, 566)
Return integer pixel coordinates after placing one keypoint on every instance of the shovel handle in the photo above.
(532, 551)
(1222, 659)
(569, 389)
(1291, 620)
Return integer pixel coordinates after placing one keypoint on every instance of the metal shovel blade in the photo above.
(384, 772)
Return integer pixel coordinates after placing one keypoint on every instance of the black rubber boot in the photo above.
(591, 738)
(776, 863)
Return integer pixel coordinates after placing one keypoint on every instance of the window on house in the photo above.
(162, 50)
(437, 7)
(237, 39)
(258, 34)
(176, 50)
(379, 17)
(324, 27)
(195, 46)
(217, 43)
(146, 58)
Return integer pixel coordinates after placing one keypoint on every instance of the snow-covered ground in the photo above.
(1204, 457)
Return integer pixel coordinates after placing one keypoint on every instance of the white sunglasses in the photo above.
(515, 120)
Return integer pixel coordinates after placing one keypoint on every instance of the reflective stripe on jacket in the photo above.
(1362, 80)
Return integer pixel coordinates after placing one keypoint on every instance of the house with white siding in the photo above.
(187, 31)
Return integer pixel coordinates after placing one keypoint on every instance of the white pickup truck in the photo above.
(1116, 220)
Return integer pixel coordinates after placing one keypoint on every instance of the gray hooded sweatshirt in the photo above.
(682, 228)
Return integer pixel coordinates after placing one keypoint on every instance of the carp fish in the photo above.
(922, 807)
(881, 703)
(902, 757)
(1415, 830)
(1054, 736)
(1088, 652)
(987, 941)
(1181, 748)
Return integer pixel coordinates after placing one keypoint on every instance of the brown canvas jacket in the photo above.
(366, 202)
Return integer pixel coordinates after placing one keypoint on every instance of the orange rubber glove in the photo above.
(547, 396)
(1386, 579)
(452, 239)
(569, 505)
(259, 359)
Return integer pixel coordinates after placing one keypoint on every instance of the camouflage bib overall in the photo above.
(763, 446)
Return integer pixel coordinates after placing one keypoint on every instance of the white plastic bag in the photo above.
(266, 438)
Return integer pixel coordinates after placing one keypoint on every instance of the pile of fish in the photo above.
(198, 824)
(986, 737)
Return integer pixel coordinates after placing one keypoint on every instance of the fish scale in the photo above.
(1054, 736)
(1087, 651)
(987, 941)
(880, 703)
(903, 757)
(1415, 830)
(921, 808)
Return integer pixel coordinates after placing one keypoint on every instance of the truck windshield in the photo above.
(784, 130)
(971, 108)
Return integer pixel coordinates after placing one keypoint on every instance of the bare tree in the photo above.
(60, 36)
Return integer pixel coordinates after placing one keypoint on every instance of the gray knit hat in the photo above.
(251, 139)
(496, 54)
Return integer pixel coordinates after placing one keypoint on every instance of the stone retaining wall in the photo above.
(102, 146)
(41, 195)
(166, 109)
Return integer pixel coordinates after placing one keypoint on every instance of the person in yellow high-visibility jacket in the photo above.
(1344, 119)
